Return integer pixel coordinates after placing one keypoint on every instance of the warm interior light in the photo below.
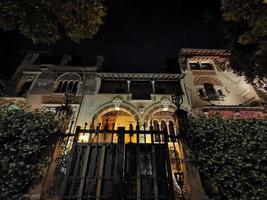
(165, 109)
(83, 138)
(117, 108)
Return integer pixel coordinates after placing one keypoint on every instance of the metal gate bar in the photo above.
(83, 176)
(98, 168)
(100, 174)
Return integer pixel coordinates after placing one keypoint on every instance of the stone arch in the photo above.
(108, 107)
(200, 80)
(68, 81)
(156, 108)
(69, 76)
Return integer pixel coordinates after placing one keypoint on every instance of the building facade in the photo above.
(135, 102)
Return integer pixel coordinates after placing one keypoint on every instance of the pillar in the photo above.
(153, 86)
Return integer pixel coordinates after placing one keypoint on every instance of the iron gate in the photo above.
(107, 168)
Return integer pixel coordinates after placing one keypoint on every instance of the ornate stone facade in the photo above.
(141, 99)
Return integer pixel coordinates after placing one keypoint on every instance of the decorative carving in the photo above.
(200, 80)
(43, 83)
(73, 76)
(117, 103)
(141, 110)
(165, 102)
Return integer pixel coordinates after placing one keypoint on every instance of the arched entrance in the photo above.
(116, 119)
(126, 113)
(165, 120)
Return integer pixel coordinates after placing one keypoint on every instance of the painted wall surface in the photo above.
(235, 89)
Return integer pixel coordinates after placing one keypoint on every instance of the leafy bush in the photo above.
(26, 141)
(231, 155)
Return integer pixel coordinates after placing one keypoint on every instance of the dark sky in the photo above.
(144, 35)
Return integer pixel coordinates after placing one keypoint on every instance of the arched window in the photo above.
(210, 91)
(75, 87)
(64, 86)
(70, 86)
(206, 66)
(68, 82)
(59, 86)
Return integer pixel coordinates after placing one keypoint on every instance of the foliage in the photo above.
(231, 154)
(26, 140)
(47, 21)
(246, 28)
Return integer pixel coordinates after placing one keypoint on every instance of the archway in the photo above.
(158, 107)
(96, 117)
(115, 119)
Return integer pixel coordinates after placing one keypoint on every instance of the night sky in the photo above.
(140, 35)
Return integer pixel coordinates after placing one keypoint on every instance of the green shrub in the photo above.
(26, 141)
(231, 155)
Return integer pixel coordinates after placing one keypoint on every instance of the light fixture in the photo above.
(177, 99)
(117, 108)
(180, 114)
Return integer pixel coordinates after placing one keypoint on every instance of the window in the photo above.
(68, 82)
(220, 93)
(201, 66)
(70, 86)
(64, 87)
(59, 86)
(75, 87)
(201, 92)
(194, 66)
(67, 86)
(210, 91)
(206, 66)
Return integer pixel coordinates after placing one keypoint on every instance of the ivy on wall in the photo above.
(231, 155)
(26, 142)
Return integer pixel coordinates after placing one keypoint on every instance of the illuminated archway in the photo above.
(98, 114)
(158, 107)
(116, 119)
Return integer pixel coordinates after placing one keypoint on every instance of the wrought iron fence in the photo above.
(119, 164)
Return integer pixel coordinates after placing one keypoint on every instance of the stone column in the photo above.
(128, 85)
(153, 86)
